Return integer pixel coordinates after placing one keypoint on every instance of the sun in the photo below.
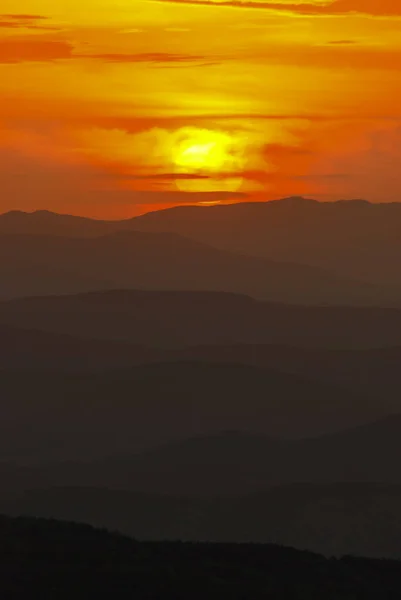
(202, 155)
(211, 159)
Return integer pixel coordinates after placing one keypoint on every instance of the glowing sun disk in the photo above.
(216, 155)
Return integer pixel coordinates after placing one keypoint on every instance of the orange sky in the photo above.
(110, 108)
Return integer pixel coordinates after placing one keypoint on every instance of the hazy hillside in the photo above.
(187, 318)
(229, 463)
(35, 265)
(50, 415)
(369, 371)
(353, 238)
(225, 374)
(46, 223)
(35, 349)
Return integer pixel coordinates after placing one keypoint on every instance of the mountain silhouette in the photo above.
(47, 223)
(355, 239)
(72, 560)
(224, 374)
(332, 519)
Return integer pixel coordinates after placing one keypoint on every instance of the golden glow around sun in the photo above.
(214, 159)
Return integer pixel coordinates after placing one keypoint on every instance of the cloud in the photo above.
(24, 22)
(381, 8)
(22, 18)
(35, 184)
(169, 176)
(24, 49)
(143, 57)
(341, 42)
(374, 161)
(37, 49)
(41, 168)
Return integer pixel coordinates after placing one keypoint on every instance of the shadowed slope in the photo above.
(91, 563)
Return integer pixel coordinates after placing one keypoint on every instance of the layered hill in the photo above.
(176, 319)
(355, 239)
(37, 265)
(232, 463)
(371, 371)
(334, 494)
(50, 415)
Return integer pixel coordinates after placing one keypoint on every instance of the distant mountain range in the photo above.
(228, 373)
(353, 239)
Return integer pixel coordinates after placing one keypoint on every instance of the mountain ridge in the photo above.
(356, 239)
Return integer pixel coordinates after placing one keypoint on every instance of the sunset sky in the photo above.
(111, 108)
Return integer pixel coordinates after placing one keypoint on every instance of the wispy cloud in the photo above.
(16, 50)
(334, 7)
(25, 22)
(143, 57)
(341, 42)
(34, 49)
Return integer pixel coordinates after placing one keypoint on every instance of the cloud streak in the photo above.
(16, 50)
(380, 8)
(144, 57)
(24, 22)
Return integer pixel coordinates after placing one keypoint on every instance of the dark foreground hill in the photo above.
(333, 519)
(48, 559)
(176, 319)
